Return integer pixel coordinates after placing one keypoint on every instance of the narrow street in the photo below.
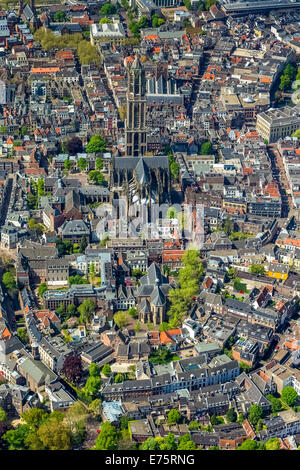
(6, 201)
(7, 304)
(106, 86)
(279, 176)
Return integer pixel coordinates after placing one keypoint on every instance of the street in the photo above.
(279, 176)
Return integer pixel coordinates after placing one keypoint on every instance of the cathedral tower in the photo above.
(135, 124)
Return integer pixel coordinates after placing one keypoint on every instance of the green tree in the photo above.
(32, 225)
(231, 272)
(260, 425)
(75, 414)
(150, 444)
(33, 442)
(54, 435)
(296, 133)
(60, 309)
(206, 148)
(134, 28)
(42, 289)
(119, 378)
(132, 312)
(289, 395)
(255, 414)
(174, 416)
(35, 417)
(143, 22)
(86, 310)
(164, 326)
(99, 163)
(32, 201)
(137, 328)
(138, 273)
(24, 130)
(3, 416)
(214, 420)
(108, 9)
(94, 407)
(174, 169)
(22, 334)
(124, 420)
(67, 164)
(157, 21)
(105, 20)
(83, 244)
(16, 437)
(231, 415)
(273, 444)
(8, 280)
(41, 187)
(244, 367)
(71, 309)
(194, 425)
(60, 16)
(96, 145)
(64, 247)
(187, 4)
(82, 164)
(94, 370)
(248, 444)
(275, 403)
(121, 319)
(107, 438)
(92, 387)
(160, 356)
(77, 279)
(106, 370)
(285, 83)
(185, 443)
(92, 269)
(189, 280)
(257, 269)
(228, 226)
(96, 177)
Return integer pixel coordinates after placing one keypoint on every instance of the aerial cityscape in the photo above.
(149, 225)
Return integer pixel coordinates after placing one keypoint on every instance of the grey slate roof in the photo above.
(75, 227)
(157, 297)
(130, 163)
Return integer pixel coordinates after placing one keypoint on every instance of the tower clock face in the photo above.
(2, 92)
